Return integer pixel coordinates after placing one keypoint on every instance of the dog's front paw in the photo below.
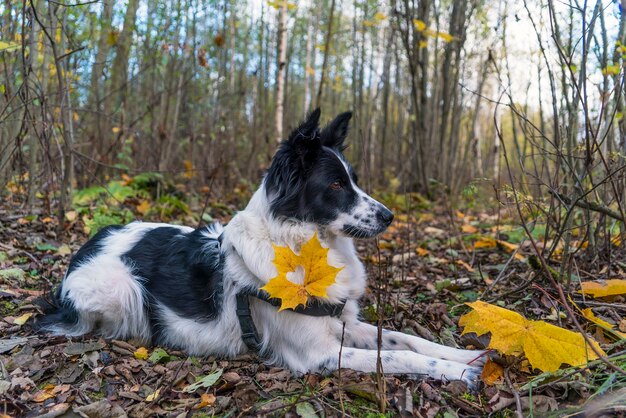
(471, 377)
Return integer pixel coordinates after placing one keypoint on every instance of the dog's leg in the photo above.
(401, 362)
(363, 335)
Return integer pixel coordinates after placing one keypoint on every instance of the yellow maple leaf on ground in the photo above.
(546, 346)
(612, 287)
(588, 313)
(492, 373)
(141, 353)
(318, 274)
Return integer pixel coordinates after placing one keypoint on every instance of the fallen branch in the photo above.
(589, 205)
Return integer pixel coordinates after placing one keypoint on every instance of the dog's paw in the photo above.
(471, 377)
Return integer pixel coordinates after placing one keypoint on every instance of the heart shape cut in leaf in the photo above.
(318, 274)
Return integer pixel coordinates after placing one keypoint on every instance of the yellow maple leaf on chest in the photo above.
(318, 274)
(545, 345)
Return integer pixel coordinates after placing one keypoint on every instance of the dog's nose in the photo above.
(385, 216)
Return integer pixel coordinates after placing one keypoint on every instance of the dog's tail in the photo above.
(214, 230)
(59, 315)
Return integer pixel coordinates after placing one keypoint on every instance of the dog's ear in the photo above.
(305, 139)
(336, 131)
(308, 129)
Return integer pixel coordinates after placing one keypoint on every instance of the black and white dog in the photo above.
(198, 289)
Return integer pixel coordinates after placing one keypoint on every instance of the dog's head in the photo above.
(310, 180)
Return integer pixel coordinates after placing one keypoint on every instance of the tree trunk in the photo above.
(119, 72)
(96, 127)
(329, 31)
(280, 73)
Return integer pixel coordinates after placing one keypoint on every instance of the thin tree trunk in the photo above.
(309, 66)
(119, 72)
(96, 128)
(329, 31)
(280, 73)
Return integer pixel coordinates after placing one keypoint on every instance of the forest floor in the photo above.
(422, 271)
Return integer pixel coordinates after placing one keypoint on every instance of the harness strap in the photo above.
(249, 333)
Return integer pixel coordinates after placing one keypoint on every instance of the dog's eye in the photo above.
(336, 185)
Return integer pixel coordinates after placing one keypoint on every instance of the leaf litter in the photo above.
(425, 268)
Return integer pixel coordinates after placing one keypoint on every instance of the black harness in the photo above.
(249, 333)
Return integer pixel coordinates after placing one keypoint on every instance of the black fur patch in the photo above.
(182, 271)
(308, 179)
(91, 248)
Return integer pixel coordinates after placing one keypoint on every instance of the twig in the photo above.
(589, 205)
(518, 402)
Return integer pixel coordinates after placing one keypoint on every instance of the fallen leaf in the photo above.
(507, 246)
(469, 229)
(11, 343)
(612, 287)
(318, 274)
(465, 265)
(588, 313)
(485, 243)
(205, 381)
(141, 353)
(42, 396)
(492, 373)
(64, 250)
(154, 395)
(21, 320)
(206, 399)
(422, 251)
(158, 355)
(70, 215)
(434, 232)
(305, 410)
(546, 346)
(143, 207)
